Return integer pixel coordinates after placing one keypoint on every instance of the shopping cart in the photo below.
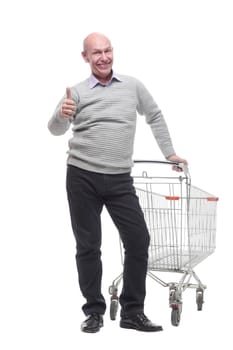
(181, 219)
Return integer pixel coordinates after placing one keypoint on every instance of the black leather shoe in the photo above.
(139, 322)
(93, 323)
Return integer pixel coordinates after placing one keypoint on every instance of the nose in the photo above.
(103, 56)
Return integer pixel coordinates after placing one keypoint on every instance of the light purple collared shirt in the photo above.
(93, 81)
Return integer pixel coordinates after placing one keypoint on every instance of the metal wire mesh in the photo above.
(181, 220)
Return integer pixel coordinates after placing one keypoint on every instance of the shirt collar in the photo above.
(93, 81)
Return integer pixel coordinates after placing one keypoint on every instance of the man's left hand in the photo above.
(177, 159)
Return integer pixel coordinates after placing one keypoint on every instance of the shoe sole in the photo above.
(92, 330)
(129, 326)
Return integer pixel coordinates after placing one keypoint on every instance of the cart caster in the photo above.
(175, 302)
(172, 295)
(112, 290)
(114, 307)
(114, 301)
(175, 315)
(199, 298)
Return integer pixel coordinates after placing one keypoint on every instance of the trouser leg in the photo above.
(123, 206)
(85, 209)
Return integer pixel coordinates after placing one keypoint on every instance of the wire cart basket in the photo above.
(181, 220)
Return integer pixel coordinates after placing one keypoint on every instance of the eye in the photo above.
(108, 50)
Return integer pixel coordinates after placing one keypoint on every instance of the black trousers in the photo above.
(87, 193)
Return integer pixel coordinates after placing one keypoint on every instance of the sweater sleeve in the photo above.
(58, 125)
(154, 117)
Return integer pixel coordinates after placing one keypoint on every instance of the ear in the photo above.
(84, 54)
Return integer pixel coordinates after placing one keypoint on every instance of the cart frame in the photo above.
(181, 220)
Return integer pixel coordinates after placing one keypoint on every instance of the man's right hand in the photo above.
(68, 106)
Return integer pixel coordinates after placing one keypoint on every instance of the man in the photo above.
(103, 112)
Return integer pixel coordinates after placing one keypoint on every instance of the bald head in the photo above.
(94, 40)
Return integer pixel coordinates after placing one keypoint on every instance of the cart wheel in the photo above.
(199, 298)
(113, 308)
(175, 316)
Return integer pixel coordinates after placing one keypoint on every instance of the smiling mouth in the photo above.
(104, 65)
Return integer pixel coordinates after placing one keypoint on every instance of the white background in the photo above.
(182, 51)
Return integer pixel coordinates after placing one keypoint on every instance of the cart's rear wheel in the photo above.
(199, 298)
(175, 316)
(113, 308)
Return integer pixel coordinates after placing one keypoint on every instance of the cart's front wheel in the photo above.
(175, 316)
(113, 308)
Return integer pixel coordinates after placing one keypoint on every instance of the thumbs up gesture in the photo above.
(68, 106)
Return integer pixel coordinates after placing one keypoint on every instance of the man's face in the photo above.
(99, 54)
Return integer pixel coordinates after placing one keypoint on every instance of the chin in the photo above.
(106, 71)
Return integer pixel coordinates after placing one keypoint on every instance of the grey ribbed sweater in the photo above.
(104, 124)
